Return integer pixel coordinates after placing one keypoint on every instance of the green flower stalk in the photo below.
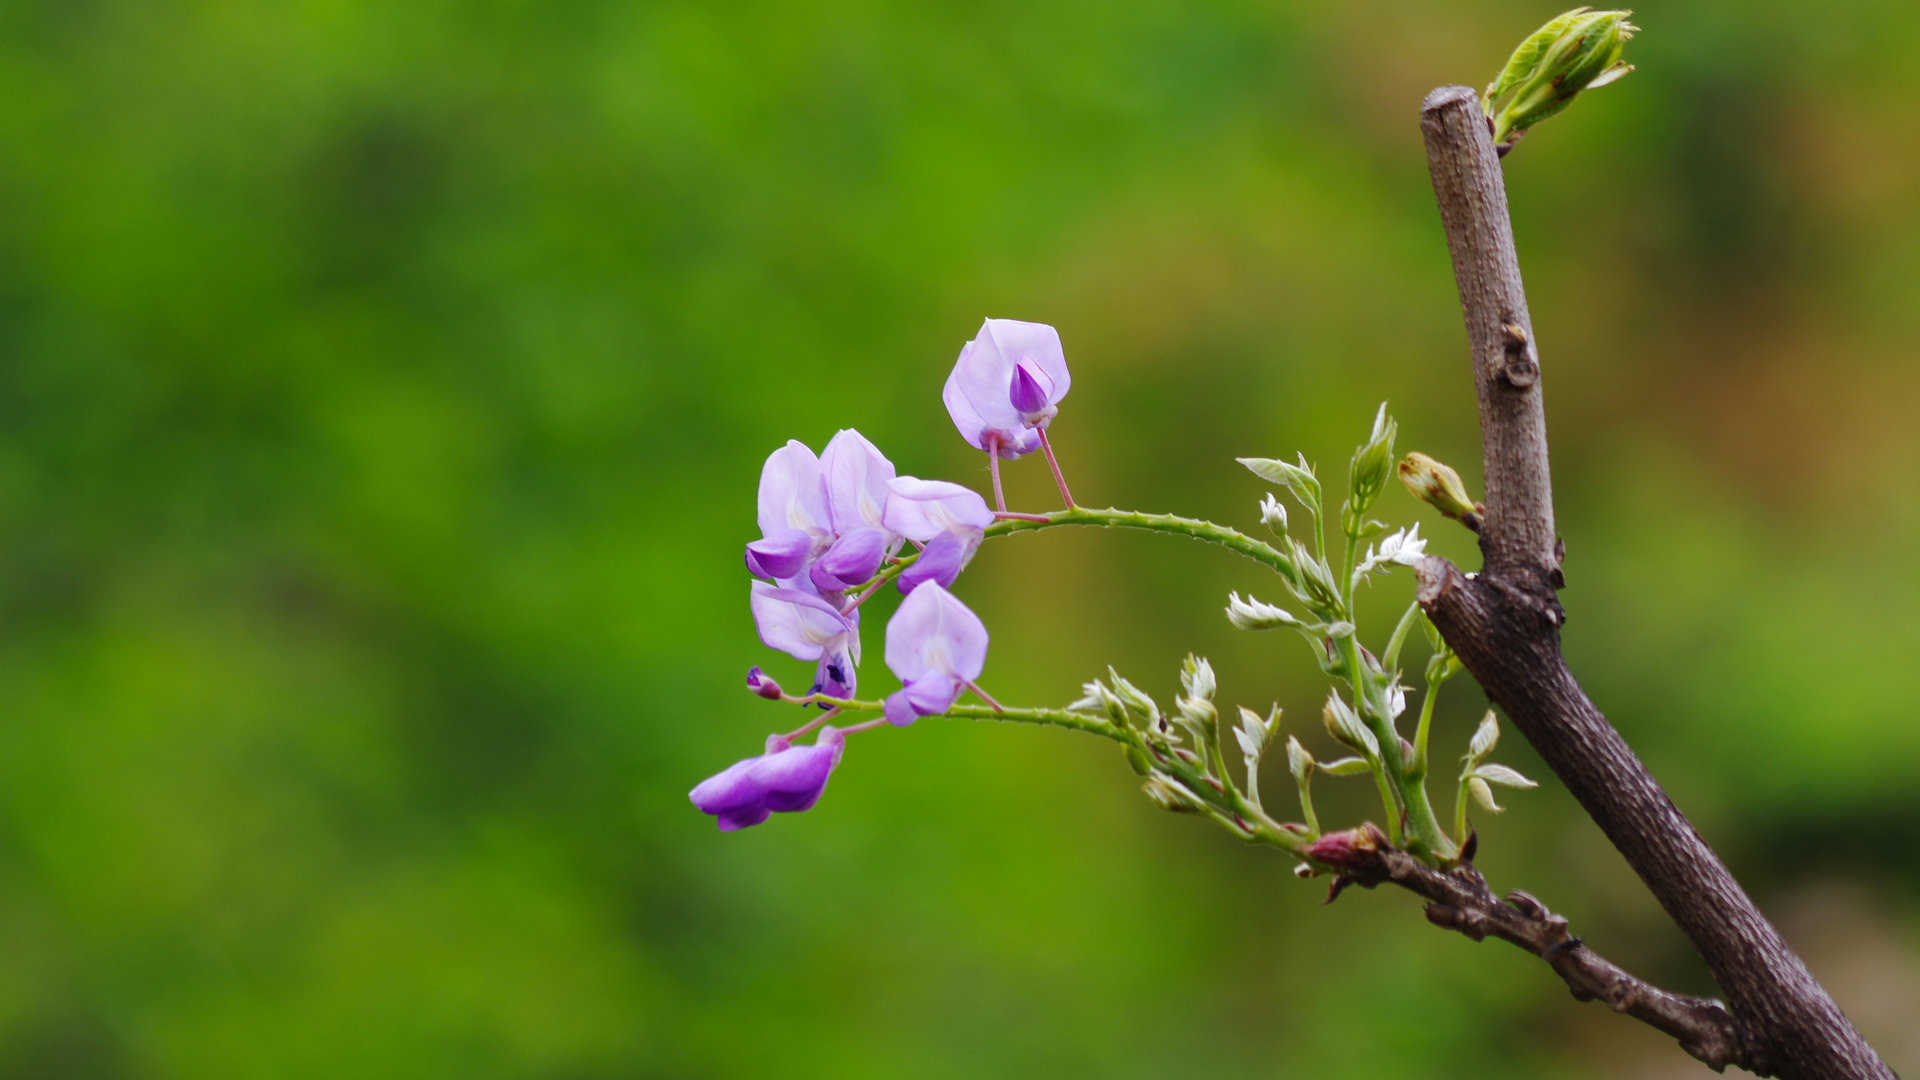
(1575, 51)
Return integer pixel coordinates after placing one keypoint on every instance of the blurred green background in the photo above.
(382, 393)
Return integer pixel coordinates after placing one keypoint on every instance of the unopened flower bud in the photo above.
(1348, 849)
(762, 684)
(1572, 52)
(1272, 514)
(1299, 761)
(1372, 462)
(1251, 614)
(1438, 485)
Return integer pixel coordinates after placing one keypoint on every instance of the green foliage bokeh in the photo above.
(382, 394)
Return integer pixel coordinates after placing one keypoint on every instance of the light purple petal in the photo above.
(923, 509)
(797, 623)
(852, 559)
(980, 378)
(1033, 343)
(941, 560)
(932, 693)
(781, 554)
(898, 710)
(792, 493)
(856, 475)
(934, 632)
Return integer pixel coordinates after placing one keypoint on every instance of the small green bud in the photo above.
(1171, 796)
(1484, 739)
(1483, 795)
(1371, 464)
(1438, 485)
(1346, 727)
(1140, 709)
(1299, 761)
(1138, 761)
(1273, 515)
(1251, 614)
(1572, 52)
(1196, 677)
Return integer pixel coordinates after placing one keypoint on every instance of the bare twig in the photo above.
(1459, 899)
(1504, 624)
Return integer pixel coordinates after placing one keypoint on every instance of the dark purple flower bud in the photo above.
(935, 646)
(980, 393)
(1028, 393)
(781, 555)
(785, 779)
(762, 683)
(1348, 850)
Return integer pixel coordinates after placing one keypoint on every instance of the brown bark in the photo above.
(1505, 625)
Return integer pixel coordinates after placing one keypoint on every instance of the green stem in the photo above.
(1423, 831)
(1110, 518)
(1418, 770)
(1092, 725)
(1391, 658)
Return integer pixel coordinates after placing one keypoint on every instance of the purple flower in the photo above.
(1006, 385)
(947, 518)
(794, 521)
(806, 627)
(820, 518)
(785, 779)
(937, 648)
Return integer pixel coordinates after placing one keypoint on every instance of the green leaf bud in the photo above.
(1438, 485)
(1573, 51)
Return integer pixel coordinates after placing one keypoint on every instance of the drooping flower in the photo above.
(1006, 386)
(820, 517)
(794, 522)
(856, 475)
(947, 518)
(937, 648)
(806, 627)
(785, 779)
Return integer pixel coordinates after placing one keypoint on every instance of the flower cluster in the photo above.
(833, 527)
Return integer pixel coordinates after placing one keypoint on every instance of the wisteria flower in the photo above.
(856, 475)
(937, 648)
(1004, 391)
(794, 522)
(785, 779)
(820, 517)
(806, 627)
(1006, 386)
(947, 518)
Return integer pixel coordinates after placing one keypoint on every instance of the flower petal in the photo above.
(780, 554)
(797, 623)
(792, 494)
(856, 475)
(922, 509)
(934, 632)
